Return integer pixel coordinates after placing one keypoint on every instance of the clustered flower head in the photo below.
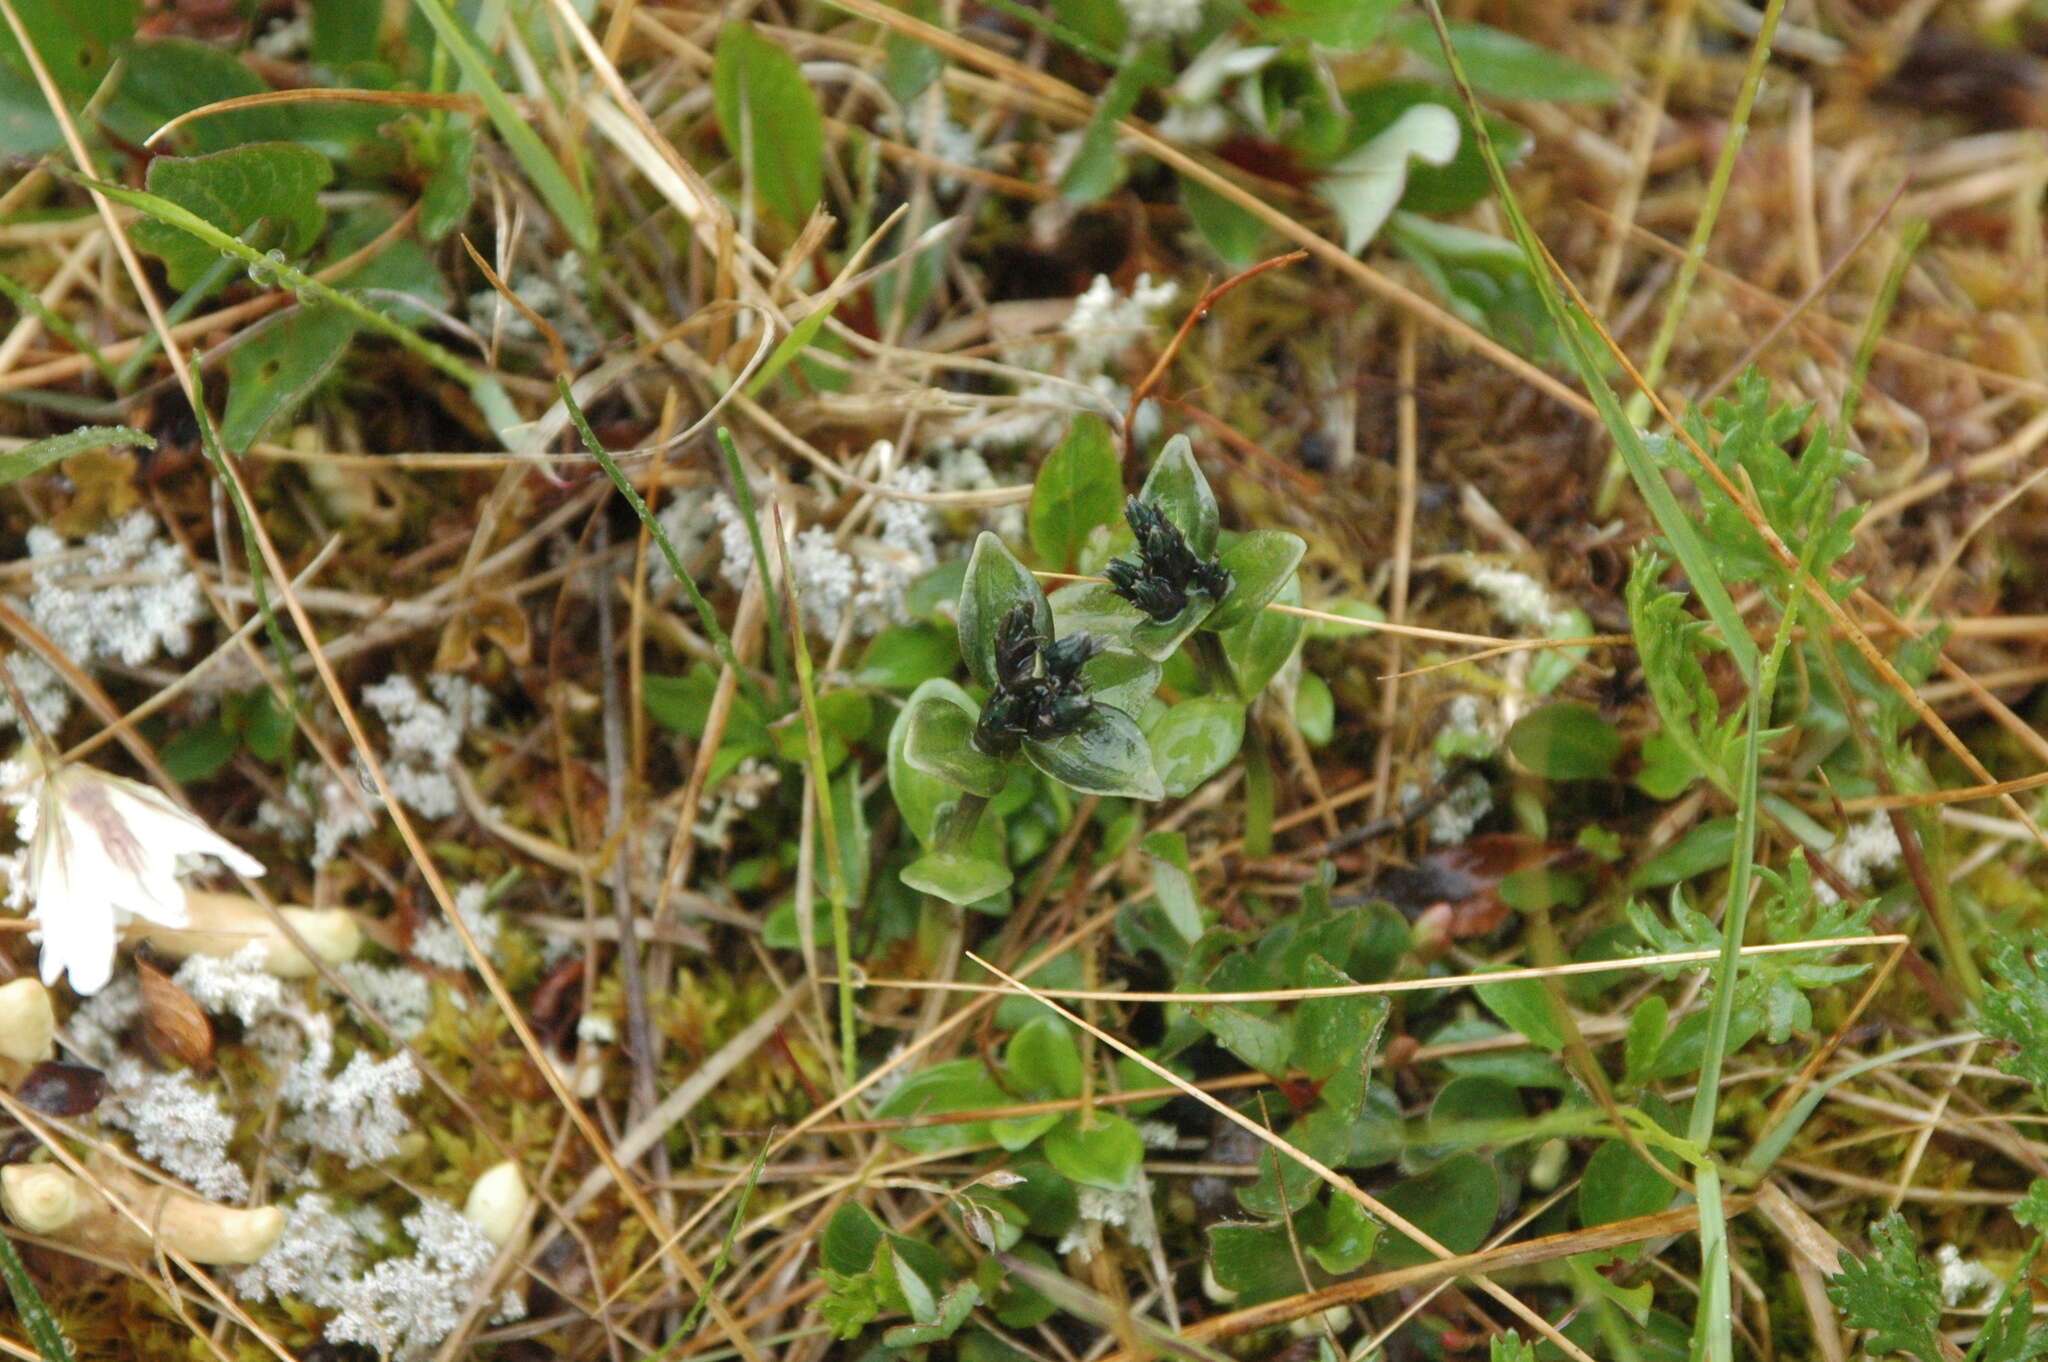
(1038, 692)
(1166, 569)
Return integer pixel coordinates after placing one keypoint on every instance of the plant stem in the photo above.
(957, 824)
(1212, 664)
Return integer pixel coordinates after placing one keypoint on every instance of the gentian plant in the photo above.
(1177, 582)
(1057, 703)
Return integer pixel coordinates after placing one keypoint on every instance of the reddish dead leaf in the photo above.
(176, 1027)
(1465, 879)
(58, 1089)
(557, 1002)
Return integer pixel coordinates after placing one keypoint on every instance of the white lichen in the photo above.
(178, 1125)
(438, 943)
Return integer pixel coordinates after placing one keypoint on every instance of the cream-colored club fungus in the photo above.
(28, 1023)
(221, 925)
(51, 1201)
(498, 1202)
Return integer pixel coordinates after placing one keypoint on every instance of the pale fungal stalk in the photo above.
(103, 850)
(51, 1201)
(221, 925)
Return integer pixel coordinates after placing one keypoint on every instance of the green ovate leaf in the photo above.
(957, 1085)
(1194, 740)
(907, 656)
(1522, 1004)
(1080, 486)
(1260, 562)
(1505, 66)
(1455, 1203)
(275, 183)
(957, 877)
(1177, 486)
(1105, 1153)
(76, 42)
(1043, 1060)
(768, 116)
(1105, 755)
(279, 368)
(995, 584)
(1618, 1185)
(940, 742)
(1315, 710)
(920, 797)
(849, 1241)
(1565, 741)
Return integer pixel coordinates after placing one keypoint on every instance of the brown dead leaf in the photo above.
(175, 1026)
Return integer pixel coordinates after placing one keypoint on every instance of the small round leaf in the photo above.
(996, 583)
(940, 742)
(1105, 755)
(1565, 741)
(1178, 488)
(1194, 740)
(1260, 564)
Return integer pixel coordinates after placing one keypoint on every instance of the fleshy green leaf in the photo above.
(1119, 679)
(1260, 647)
(768, 116)
(1043, 1060)
(1315, 710)
(1093, 608)
(275, 181)
(1366, 186)
(1104, 1154)
(919, 797)
(1260, 564)
(957, 878)
(1080, 486)
(1177, 486)
(1194, 740)
(1105, 755)
(940, 742)
(996, 583)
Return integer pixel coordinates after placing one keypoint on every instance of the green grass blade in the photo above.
(732, 1231)
(1671, 517)
(743, 496)
(29, 303)
(28, 1303)
(706, 617)
(35, 456)
(563, 198)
